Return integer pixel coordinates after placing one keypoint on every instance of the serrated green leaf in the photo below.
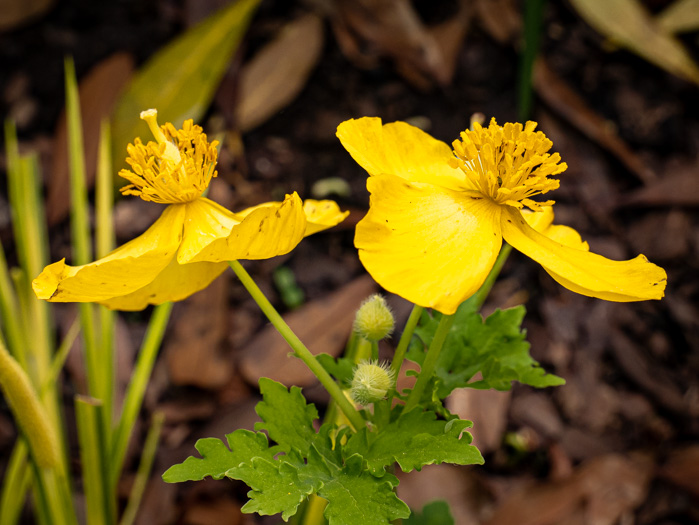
(342, 369)
(434, 513)
(497, 348)
(414, 440)
(217, 459)
(180, 80)
(355, 496)
(286, 417)
(276, 487)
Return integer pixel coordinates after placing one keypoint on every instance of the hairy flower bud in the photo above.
(371, 382)
(374, 319)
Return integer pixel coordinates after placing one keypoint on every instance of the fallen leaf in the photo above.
(628, 24)
(180, 80)
(682, 468)
(450, 35)
(14, 13)
(367, 30)
(569, 105)
(323, 325)
(99, 90)
(487, 409)
(600, 491)
(193, 350)
(680, 16)
(500, 18)
(679, 186)
(278, 73)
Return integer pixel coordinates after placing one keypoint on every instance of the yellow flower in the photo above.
(191, 242)
(437, 216)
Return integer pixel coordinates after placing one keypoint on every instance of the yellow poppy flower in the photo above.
(191, 242)
(437, 216)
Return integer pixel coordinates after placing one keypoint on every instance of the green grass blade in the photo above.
(15, 484)
(137, 386)
(533, 27)
(99, 500)
(144, 468)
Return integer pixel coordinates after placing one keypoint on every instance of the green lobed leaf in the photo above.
(342, 369)
(497, 348)
(414, 440)
(276, 487)
(217, 459)
(286, 417)
(181, 79)
(434, 513)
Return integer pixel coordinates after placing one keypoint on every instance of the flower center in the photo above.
(175, 169)
(509, 163)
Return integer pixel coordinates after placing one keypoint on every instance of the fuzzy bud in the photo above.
(374, 320)
(371, 382)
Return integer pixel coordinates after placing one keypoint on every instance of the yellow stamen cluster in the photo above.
(175, 169)
(509, 163)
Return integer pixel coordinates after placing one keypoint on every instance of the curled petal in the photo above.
(321, 215)
(584, 272)
(123, 271)
(174, 283)
(267, 231)
(428, 244)
(399, 149)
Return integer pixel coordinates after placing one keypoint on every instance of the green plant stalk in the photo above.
(60, 357)
(482, 294)
(429, 363)
(16, 483)
(99, 501)
(144, 468)
(137, 387)
(406, 336)
(533, 21)
(298, 347)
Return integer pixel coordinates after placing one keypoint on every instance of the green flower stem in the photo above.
(405, 338)
(298, 347)
(430, 362)
(482, 294)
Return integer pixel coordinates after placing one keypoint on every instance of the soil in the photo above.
(618, 444)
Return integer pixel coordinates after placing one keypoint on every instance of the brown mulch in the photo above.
(619, 443)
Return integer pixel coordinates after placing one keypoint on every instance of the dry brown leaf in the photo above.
(192, 351)
(500, 18)
(488, 411)
(369, 29)
(15, 12)
(99, 90)
(323, 325)
(682, 468)
(569, 105)
(601, 491)
(450, 35)
(680, 16)
(279, 72)
(679, 186)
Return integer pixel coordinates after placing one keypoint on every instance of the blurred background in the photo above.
(614, 85)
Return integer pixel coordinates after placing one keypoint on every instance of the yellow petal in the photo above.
(205, 222)
(123, 271)
(174, 283)
(428, 244)
(542, 221)
(399, 149)
(321, 215)
(584, 272)
(268, 230)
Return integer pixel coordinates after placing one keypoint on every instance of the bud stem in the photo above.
(298, 347)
